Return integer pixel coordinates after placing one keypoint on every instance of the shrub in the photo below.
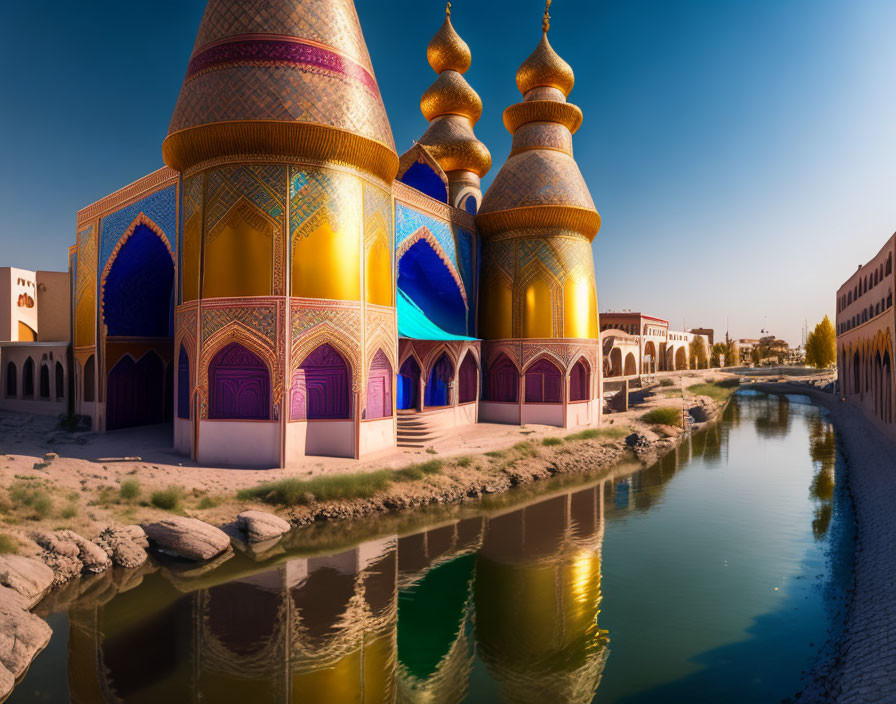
(526, 449)
(34, 497)
(464, 461)
(550, 442)
(417, 471)
(496, 454)
(8, 544)
(167, 499)
(129, 489)
(70, 511)
(208, 502)
(666, 382)
(666, 415)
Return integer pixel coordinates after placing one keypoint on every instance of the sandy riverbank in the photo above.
(51, 479)
(863, 666)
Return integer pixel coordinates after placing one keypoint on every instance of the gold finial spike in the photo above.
(546, 21)
(448, 10)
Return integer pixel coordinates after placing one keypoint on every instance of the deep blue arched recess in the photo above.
(423, 276)
(408, 384)
(137, 297)
(470, 205)
(422, 177)
(438, 382)
(183, 384)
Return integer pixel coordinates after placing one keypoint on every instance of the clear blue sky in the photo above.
(740, 152)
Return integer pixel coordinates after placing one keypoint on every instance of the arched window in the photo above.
(135, 392)
(239, 385)
(889, 299)
(438, 382)
(503, 380)
(408, 383)
(44, 381)
(579, 381)
(183, 384)
(889, 269)
(11, 380)
(543, 380)
(321, 386)
(467, 378)
(28, 379)
(849, 298)
(379, 387)
(89, 379)
(60, 381)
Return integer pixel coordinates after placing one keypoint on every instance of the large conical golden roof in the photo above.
(282, 78)
(452, 107)
(540, 185)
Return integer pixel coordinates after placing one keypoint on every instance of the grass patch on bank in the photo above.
(665, 415)
(292, 491)
(8, 544)
(167, 499)
(716, 390)
(667, 382)
(610, 432)
(551, 442)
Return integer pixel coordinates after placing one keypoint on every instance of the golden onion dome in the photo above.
(451, 94)
(544, 67)
(447, 50)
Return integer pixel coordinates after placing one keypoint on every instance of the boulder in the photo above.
(22, 634)
(56, 544)
(119, 545)
(7, 682)
(188, 538)
(29, 577)
(92, 555)
(260, 526)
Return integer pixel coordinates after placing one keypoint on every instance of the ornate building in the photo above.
(287, 286)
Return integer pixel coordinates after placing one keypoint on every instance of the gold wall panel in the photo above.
(238, 259)
(327, 234)
(496, 308)
(537, 310)
(378, 274)
(580, 308)
(190, 257)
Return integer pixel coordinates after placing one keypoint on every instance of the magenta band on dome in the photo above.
(278, 51)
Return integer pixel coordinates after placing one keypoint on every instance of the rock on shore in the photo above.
(30, 578)
(188, 538)
(260, 526)
(22, 634)
(125, 545)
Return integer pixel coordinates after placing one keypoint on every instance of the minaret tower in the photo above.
(537, 221)
(285, 311)
(452, 107)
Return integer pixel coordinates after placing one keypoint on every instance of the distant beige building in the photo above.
(708, 333)
(864, 325)
(635, 343)
(35, 329)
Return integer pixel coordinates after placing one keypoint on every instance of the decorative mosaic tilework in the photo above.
(381, 334)
(465, 259)
(408, 221)
(85, 293)
(260, 184)
(256, 316)
(160, 207)
(319, 195)
(377, 214)
(192, 196)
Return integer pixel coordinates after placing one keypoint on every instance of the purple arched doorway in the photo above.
(543, 383)
(467, 378)
(239, 385)
(579, 381)
(503, 380)
(136, 392)
(379, 387)
(320, 387)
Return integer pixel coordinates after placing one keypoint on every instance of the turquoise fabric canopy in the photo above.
(413, 323)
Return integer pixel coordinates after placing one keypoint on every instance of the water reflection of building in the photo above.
(306, 630)
(391, 620)
(537, 598)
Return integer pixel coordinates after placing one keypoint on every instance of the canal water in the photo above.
(717, 574)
